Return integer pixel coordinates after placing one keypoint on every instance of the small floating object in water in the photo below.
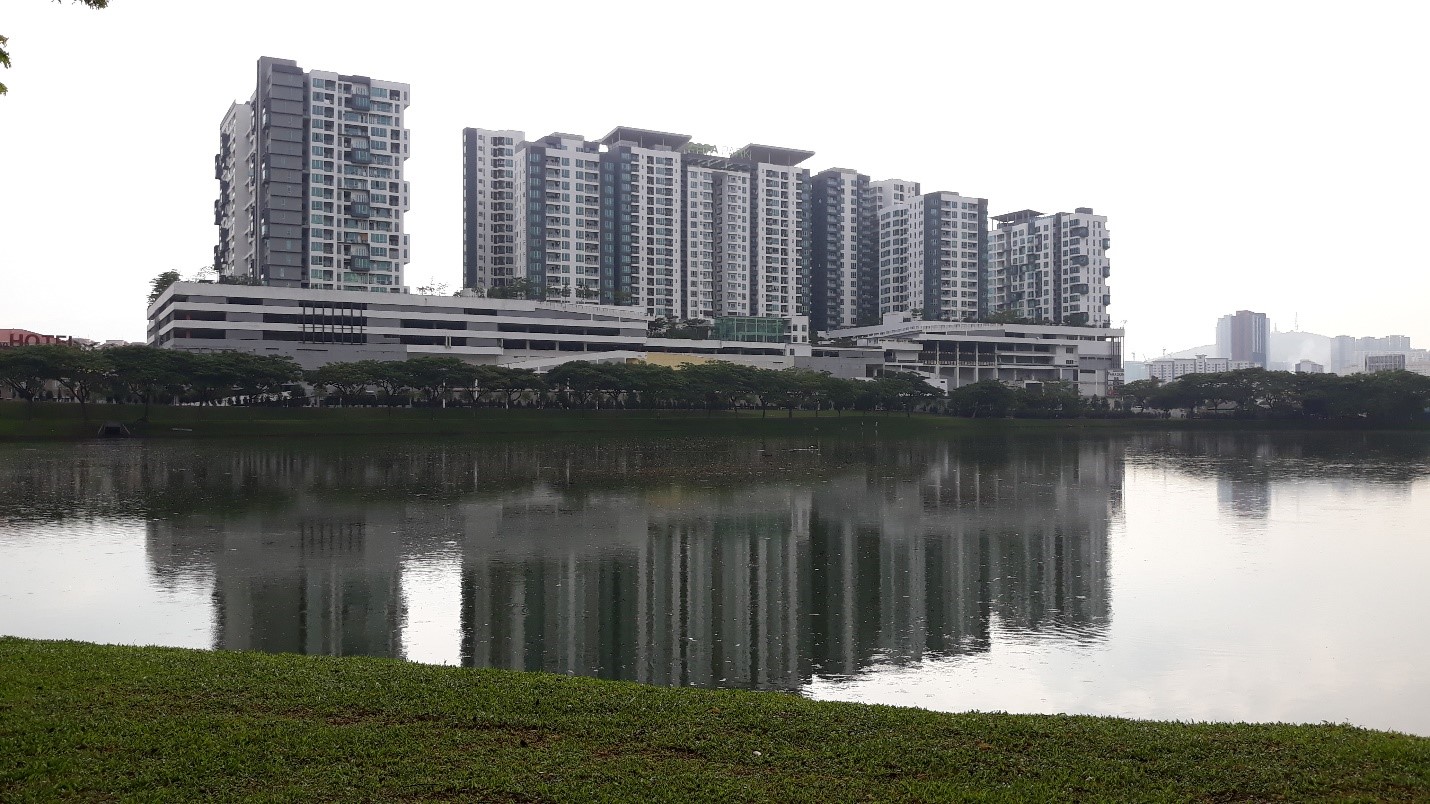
(181, 429)
(113, 430)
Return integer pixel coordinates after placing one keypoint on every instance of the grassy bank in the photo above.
(61, 422)
(94, 722)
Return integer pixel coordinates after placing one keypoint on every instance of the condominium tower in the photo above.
(1050, 268)
(650, 220)
(311, 188)
(930, 249)
(638, 219)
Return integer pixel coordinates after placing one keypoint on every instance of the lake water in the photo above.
(1187, 576)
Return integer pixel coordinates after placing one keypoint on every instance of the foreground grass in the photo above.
(91, 722)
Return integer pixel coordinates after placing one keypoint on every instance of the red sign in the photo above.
(24, 337)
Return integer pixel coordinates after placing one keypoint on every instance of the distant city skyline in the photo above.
(1116, 109)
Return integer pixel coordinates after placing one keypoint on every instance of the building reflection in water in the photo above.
(743, 564)
(764, 585)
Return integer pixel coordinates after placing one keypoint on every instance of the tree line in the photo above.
(165, 376)
(1257, 393)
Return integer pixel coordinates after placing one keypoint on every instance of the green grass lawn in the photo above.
(98, 723)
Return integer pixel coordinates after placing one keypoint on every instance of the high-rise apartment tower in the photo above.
(1050, 268)
(311, 187)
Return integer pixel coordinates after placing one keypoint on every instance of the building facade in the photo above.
(952, 354)
(642, 195)
(311, 184)
(646, 219)
(489, 199)
(1169, 369)
(1050, 268)
(1244, 336)
(842, 269)
(930, 256)
(317, 327)
(1378, 363)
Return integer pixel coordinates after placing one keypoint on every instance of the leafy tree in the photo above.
(842, 394)
(656, 384)
(588, 381)
(903, 389)
(795, 387)
(1007, 317)
(433, 288)
(984, 399)
(435, 375)
(1394, 395)
(1136, 393)
(5, 56)
(1052, 400)
(79, 371)
(263, 375)
(522, 288)
(477, 380)
(161, 283)
(237, 280)
(211, 376)
(513, 383)
(393, 377)
(24, 370)
(348, 379)
(146, 373)
(719, 382)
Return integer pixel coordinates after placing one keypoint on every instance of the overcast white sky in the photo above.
(1270, 156)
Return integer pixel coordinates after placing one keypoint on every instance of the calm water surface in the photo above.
(1163, 575)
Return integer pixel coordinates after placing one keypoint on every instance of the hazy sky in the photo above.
(1253, 155)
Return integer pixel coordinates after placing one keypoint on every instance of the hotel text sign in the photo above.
(19, 337)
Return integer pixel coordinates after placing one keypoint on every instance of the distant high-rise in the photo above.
(311, 188)
(1244, 336)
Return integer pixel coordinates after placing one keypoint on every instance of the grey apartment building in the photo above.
(637, 218)
(311, 185)
(648, 219)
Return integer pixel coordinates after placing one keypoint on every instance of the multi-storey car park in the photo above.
(316, 327)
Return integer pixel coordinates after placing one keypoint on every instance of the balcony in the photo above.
(360, 157)
(359, 264)
(358, 210)
(362, 103)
